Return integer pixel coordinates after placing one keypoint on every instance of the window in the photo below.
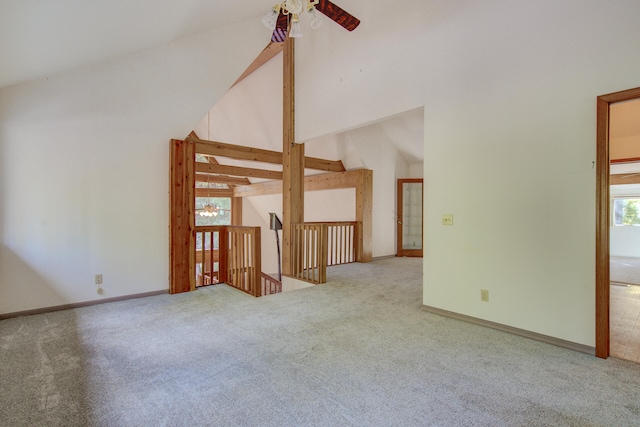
(626, 211)
(213, 211)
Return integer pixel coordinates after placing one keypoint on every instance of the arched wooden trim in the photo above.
(602, 216)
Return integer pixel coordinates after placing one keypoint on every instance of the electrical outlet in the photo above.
(447, 219)
(98, 279)
(484, 295)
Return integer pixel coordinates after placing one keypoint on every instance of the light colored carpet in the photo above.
(624, 270)
(357, 351)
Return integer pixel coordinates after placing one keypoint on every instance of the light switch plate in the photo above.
(447, 219)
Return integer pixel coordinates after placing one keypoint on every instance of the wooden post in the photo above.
(236, 211)
(257, 262)
(364, 216)
(182, 222)
(223, 250)
(292, 160)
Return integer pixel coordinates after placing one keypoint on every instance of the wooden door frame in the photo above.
(399, 250)
(602, 216)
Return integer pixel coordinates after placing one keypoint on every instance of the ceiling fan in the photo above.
(279, 16)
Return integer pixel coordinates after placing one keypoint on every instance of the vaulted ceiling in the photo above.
(39, 38)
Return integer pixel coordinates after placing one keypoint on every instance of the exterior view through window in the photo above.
(626, 211)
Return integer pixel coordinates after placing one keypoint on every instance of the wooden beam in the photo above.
(326, 181)
(260, 189)
(236, 211)
(364, 216)
(222, 149)
(215, 148)
(237, 171)
(292, 159)
(624, 178)
(323, 164)
(272, 49)
(222, 179)
(214, 192)
(182, 217)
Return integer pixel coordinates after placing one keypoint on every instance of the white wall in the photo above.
(624, 240)
(509, 151)
(84, 165)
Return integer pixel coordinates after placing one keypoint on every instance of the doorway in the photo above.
(624, 233)
(409, 211)
(603, 296)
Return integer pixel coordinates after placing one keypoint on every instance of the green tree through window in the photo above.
(626, 211)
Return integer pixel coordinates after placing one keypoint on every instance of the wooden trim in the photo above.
(237, 171)
(51, 309)
(624, 178)
(182, 217)
(602, 216)
(626, 160)
(510, 329)
(399, 219)
(239, 152)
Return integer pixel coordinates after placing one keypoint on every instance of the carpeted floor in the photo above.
(357, 351)
(625, 270)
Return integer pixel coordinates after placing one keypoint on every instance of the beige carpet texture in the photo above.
(356, 351)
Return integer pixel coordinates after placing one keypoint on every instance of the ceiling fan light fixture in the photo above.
(316, 21)
(209, 210)
(271, 18)
(295, 30)
(293, 6)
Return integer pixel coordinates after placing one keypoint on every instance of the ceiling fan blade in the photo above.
(336, 13)
(280, 33)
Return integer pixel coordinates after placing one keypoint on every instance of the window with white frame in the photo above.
(626, 210)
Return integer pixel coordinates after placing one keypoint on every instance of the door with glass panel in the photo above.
(409, 217)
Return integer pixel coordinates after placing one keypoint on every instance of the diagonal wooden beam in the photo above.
(237, 171)
(272, 49)
(239, 152)
(325, 181)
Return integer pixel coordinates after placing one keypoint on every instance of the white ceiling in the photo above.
(39, 38)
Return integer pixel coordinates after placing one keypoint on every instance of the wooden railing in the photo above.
(231, 255)
(270, 285)
(321, 244)
(208, 255)
(341, 242)
(244, 266)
